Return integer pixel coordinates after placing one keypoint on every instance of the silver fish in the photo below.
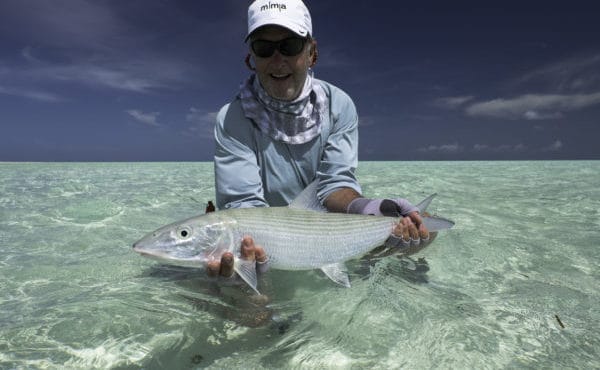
(302, 236)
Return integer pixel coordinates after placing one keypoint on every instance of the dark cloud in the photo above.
(430, 81)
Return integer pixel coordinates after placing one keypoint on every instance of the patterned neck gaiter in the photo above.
(293, 122)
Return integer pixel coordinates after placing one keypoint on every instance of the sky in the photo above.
(142, 80)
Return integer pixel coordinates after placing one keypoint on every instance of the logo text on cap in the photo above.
(270, 5)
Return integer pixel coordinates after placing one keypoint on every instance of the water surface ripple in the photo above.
(524, 254)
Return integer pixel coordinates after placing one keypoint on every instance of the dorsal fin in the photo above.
(307, 199)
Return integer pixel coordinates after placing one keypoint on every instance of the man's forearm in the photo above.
(339, 200)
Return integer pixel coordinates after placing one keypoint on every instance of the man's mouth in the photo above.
(280, 76)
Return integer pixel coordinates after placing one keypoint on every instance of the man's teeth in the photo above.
(280, 75)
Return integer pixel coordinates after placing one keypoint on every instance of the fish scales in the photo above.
(300, 239)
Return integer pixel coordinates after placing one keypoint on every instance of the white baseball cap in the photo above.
(291, 14)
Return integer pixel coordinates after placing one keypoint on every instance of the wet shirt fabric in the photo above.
(252, 169)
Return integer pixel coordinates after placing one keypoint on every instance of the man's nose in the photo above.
(277, 56)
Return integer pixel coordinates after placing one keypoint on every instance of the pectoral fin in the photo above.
(247, 271)
(337, 273)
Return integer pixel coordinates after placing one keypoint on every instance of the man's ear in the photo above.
(314, 53)
(248, 64)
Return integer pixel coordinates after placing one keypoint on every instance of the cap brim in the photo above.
(293, 27)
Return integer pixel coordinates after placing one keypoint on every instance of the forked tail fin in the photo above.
(422, 206)
(434, 223)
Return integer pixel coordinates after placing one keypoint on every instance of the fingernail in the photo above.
(262, 259)
(227, 258)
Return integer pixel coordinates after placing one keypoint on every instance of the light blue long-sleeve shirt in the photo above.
(254, 170)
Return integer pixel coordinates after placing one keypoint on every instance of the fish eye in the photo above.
(184, 232)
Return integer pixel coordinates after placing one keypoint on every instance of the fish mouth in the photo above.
(165, 257)
(144, 254)
(138, 248)
(154, 255)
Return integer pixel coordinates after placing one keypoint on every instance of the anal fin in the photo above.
(337, 273)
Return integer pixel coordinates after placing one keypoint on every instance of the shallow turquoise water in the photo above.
(525, 250)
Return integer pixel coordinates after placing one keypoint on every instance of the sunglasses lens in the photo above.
(263, 48)
(290, 47)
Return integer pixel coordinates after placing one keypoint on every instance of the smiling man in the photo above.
(285, 129)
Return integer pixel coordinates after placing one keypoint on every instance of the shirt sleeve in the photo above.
(340, 154)
(237, 174)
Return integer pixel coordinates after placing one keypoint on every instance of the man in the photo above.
(286, 128)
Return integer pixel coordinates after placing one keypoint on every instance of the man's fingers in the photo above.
(423, 232)
(213, 268)
(400, 236)
(248, 248)
(405, 233)
(249, 251)
(413, 232)
(261, 255)
(416, 218)
(401, 231)
(226, 265)
(262, 260)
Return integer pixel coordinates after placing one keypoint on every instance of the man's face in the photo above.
(281, 76)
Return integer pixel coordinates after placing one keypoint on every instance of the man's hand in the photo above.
(409, 232)
(249, 251)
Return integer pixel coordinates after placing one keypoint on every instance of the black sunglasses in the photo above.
(289, 47)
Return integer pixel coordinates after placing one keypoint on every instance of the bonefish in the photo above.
(301, 236)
